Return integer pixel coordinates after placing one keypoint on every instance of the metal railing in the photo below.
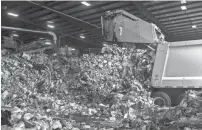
(33, 31)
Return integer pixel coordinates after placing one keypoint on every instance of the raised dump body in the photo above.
(121, 26)
(177, 65)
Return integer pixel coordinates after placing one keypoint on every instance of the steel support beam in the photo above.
(33, 31)
(174, 11)
(42, 26)
(184, 38)
(149, 15)
(178, 14)
(175, 4)
(188, 32)
(78, 22)
(183, 24)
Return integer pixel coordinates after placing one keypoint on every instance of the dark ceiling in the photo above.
(72, 18)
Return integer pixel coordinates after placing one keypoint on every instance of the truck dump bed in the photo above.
(123, 27)
(178, 64)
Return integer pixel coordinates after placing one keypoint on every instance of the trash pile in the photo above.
(187, 115)
(106, 91)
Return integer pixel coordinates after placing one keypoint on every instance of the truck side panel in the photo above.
(178, 64)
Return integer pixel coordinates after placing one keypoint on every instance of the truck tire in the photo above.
(161, 97)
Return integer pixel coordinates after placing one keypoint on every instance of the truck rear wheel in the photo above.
(161, 99)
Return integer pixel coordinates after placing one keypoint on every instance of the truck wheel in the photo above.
(161, 99)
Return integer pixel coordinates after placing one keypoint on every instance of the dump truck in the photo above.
(177, 65)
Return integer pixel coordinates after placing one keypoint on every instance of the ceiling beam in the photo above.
(95, 11)
(78, 22)
(20, 5)
(183, 17)
(180, 22)
(187, 32)
(94, 21)
(86, 16)
(176, 28)
(191, 32)
(149, 15)
(73, 11)
(174, 6)
(183, 38)
(41, 11)
(92, 17)
(174, 11)
(43, 27)
(179, 14)
(152, 3)
(187, 29)
(26, 13)
(184, 24)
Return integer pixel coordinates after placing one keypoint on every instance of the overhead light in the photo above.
(50, 26)
(47, 43)
(15, 35)
(82, 37)
(12, 14)
(183, 7)
(183, 1)
(73, 49)
(85, 3)
(50, 22)
(194, 26)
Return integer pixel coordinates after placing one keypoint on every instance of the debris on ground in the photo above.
(106, 91)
